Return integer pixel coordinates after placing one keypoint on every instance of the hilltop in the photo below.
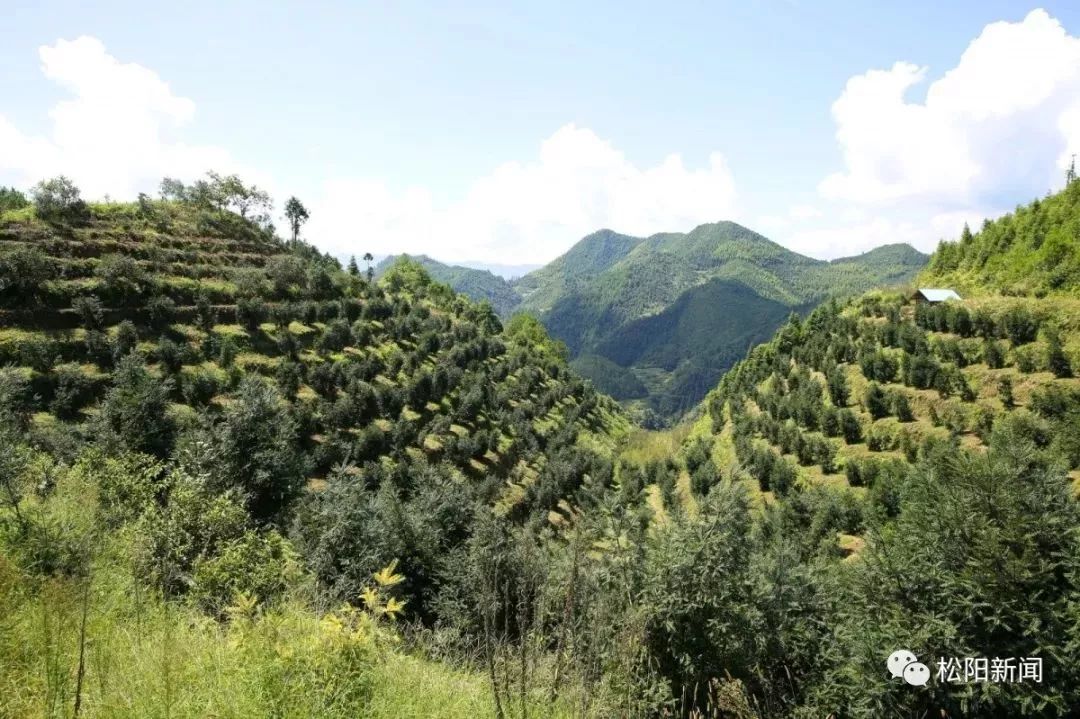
(477, 285)
(1034, 251)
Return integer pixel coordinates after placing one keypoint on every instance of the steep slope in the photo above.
(166, 325)
(478, 285)
(916, 468)
(1034, 251)
(842, 395)
(722, 286)
(589, 257)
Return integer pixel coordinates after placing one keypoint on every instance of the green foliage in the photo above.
(259, 445)
(944, 593)
(1032, 251)
(58, 201)
(134, 412)
(23, 273)
(876, 402)
(12, 199)
(123, 281)
(297, 215)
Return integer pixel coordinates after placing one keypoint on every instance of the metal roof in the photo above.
(938, 295)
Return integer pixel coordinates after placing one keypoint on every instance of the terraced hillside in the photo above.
(853, 394)
(205, 319)
(861, 389)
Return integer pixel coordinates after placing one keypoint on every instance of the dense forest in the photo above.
(240, 480)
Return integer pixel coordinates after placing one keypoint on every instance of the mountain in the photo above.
(675, 310)
(479, 285)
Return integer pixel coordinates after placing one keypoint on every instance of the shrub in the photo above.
(160, 310)
(250, 313)
(1025, 360)
(901, 407)
(1005, 392)
(227, 352)
(12, 199)
(258, 564)
(169, 355)
(1019, 325)
(1056, 360)
(58, 200)
(993, 354)
(876, 401)
(90, 310)
(70, 392)
(98, 348)
(122, 279)
(260, 442)
(39, 353)
(23, 272)
(199, 386)
(134, 412)
(850, 427)
(125, 340)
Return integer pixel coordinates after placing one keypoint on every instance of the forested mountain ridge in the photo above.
(720, 288)
(1034, 251)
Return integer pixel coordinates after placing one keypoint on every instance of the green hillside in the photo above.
(478, 285)
(572, 271)
(237, 480)
(916, 469)
(1034, 251)
(722, 286)
(245, 433)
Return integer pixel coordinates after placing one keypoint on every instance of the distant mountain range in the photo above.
(655, 321)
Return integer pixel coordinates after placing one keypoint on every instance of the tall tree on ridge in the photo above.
(370, 270)
(297, 215)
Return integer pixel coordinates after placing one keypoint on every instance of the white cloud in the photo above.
(997, 129)
(1015, 83)
(111, 136)
(527, 212)
(115, 135)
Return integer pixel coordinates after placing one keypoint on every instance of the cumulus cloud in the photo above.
(997, 129)
(1004, 117)
(528, 211)
(112, 136)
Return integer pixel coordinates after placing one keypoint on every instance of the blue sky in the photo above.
(503, 132)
